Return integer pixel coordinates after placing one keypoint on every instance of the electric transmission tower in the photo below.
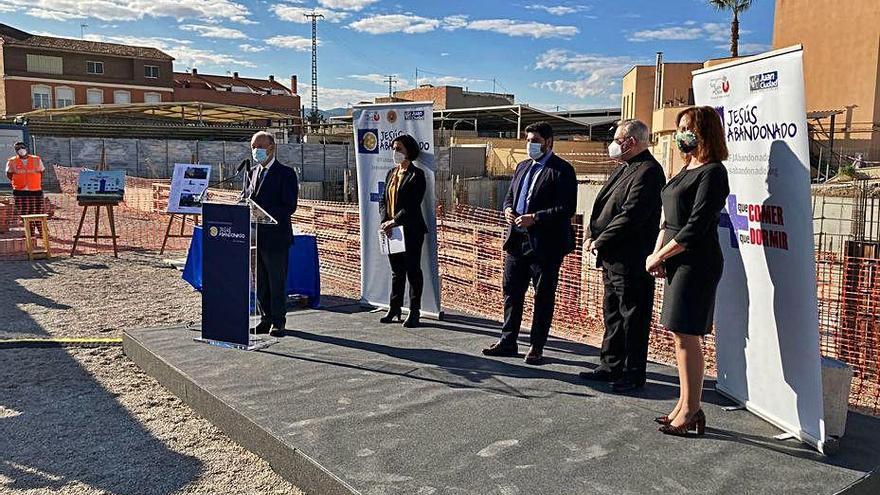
(313, 116)
(391, 80)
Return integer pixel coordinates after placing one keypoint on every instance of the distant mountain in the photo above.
(334, 112)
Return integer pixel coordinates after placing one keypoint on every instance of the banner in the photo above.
(766, 321)
(375, 127)
(188, 184)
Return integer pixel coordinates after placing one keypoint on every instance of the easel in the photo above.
(181, 235)
(97, 205)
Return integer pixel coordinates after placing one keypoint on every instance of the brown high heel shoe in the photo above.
(696, 422)
(663, 420)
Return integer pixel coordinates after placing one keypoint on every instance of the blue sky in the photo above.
(563, 53)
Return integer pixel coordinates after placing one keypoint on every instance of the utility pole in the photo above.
(82, 31)
(417, 77)
(390, 80)
(493, 84)
(314, 17)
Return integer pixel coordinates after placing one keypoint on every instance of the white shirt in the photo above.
(256, 173)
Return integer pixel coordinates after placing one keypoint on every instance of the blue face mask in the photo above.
(260, 154)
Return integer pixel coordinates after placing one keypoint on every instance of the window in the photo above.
(152, 98)
(95, 96)
(94, 67)
(44, 64)
(41, 96)
(121, 97)
(63, 97)
(151, 72)
(241, 89)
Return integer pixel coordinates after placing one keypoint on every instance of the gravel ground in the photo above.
(87, 420)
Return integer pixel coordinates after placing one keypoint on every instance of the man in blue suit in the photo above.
(275, 188)
(538, 208)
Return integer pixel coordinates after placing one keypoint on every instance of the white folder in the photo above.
(392, 243)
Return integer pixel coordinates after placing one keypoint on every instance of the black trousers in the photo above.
(29, 203)
(519, 270)
(407, 266)
(628, 305)
(272, 283)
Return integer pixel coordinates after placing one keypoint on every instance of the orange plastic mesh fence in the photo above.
(471, 266)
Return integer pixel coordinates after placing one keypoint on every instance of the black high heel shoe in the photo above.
(412, 321)
(391, 315)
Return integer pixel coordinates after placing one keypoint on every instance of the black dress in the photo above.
(692, 204)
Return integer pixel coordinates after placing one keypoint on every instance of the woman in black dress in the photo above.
(688, 256)
(401, 205)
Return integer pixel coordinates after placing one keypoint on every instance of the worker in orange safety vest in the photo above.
(25, 171)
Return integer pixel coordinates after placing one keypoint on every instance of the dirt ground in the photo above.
(86, 420)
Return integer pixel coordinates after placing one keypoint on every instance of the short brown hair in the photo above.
(706, 124)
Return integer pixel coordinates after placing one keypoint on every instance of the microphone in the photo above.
(244, 163)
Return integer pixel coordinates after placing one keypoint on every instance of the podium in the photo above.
(229, 254)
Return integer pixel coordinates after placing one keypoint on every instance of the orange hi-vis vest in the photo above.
(26, 175)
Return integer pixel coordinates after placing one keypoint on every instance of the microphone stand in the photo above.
(245, 165)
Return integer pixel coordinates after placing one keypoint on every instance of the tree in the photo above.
(736, 7)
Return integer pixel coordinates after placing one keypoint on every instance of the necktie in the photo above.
(257, 181)
(522, 199)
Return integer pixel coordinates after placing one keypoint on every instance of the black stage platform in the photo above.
(344, 404)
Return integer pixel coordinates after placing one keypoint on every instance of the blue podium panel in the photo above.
(225, 273)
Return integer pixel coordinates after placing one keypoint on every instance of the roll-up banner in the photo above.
(767, 338)
(375, 127)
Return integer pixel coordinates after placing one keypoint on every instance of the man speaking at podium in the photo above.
(274, 187)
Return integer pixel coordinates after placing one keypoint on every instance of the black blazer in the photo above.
(626, 214)
(553, 201)
(277, 194)
(408, 204)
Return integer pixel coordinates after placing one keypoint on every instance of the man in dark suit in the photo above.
(538, 207)
(622, 231)
(274, 187)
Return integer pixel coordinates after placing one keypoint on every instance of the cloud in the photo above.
(355, 5)
(380, 79)
(298, 43)
(453, 22)
(337, 97)
(690, 30)
(449, 80)
(600, 74)
(395, 23)
(182, 50)
(132, 10)
(292, 13)
(213, 31)
(749, 48)
(251, 48)
(560, 9)
(517, 28)
(412, 24)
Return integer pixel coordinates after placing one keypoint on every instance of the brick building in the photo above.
(265, 94)
(49, 72)
(449, 97)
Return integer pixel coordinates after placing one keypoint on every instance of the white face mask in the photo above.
(399, 157)
(22, 152)
(614, 150)
(534, 150)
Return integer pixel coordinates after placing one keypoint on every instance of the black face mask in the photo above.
(686, 141)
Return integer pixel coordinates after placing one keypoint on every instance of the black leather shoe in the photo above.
(501, 350)
(263, 327)
(599, 375)
(390, 316)
(277, 332)
(534, 357)
(412, 320)
(627, 384)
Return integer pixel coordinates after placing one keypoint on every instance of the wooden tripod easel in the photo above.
(97, 205)
(181, 235)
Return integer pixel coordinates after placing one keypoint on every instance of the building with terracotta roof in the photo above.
(265, 94)
(49, 72)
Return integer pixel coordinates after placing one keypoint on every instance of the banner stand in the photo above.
(375, 128)
(766, 317)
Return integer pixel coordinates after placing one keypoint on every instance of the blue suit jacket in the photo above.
(277, 194)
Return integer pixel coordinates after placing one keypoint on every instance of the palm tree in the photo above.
(737, 7)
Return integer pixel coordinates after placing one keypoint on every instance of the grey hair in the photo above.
(636, 129)
(260, 134)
